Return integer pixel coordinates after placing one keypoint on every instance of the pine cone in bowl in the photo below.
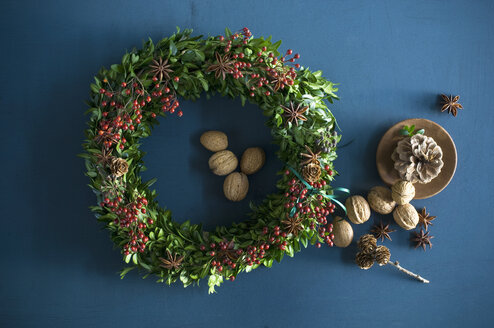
(418, 159)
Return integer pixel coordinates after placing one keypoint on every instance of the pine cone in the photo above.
(367, 243)
(364, 260)
(418, 159)
(118, 166)
(312, 172)
(382, 255)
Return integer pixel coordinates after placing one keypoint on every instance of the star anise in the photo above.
(107, 138)
(173, 262)
(425, 219)
(160, 69)
(228, 252)
(293, 225)
(422, 239)
(294, 114)
(279, 80)
(223, 66)
(382, 231)
(310, 156)
(451, 104)
(104, 157)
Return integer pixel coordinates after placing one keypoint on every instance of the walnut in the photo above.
(343, 232)
(358, 209)
(252, 160)
(214, 140)
(380, 200)
(223, 162)
(236, 186)
(406, 216)
(402, 192)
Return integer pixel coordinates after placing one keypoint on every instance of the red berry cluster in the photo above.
(223, 253)
(131, 216)
(167, 97)
(264, 73)
(312, 206)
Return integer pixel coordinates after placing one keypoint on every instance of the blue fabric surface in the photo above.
(391, 58)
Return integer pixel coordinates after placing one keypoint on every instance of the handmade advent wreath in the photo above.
(126, 101)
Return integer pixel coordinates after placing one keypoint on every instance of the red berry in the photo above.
(326, 167)
(318, 245)
(180, 113)
(211, 253)
(176, 79)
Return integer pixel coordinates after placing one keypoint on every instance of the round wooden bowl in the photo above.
(387, 145)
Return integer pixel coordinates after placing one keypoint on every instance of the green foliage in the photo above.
(410, 131)
(189, 57)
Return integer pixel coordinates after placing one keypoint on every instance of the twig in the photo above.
(416, 276)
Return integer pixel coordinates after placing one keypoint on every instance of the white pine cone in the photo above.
(418, 159)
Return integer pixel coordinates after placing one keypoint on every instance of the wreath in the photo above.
(125, 103)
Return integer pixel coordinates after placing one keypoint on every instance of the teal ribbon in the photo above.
(314, 191)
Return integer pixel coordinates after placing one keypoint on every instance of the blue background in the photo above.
(391, 58)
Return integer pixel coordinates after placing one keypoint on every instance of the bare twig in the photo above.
(397, 265)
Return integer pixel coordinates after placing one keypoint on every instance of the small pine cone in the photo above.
(364, 260)
(118, 166)
(312, 172)
(367, 243)
(382, 255)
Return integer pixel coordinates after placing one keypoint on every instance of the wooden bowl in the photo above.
(387, 145)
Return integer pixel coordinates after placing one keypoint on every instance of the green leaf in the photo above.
(173, 48)
(125, 271)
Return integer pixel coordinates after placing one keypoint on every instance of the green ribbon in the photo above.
(314, 191)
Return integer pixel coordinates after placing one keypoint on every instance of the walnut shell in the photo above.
(358, 209)
(252, 160)
(406, 216)
(223, 162)
(380, 200)
(214, 140)
(402, 192)
(343, 232)
(236, 186)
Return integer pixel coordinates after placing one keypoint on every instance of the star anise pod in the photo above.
(160, 69)
(173, 262)
(294, 114)
(223, 66)
(422, 239)
(279, 80)
(293, 225)
(382, 231)
(425, 219)
(310, 156)
(451, 104)
(229, 252)
(104, 157)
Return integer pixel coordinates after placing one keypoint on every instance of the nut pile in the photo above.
(224, 162)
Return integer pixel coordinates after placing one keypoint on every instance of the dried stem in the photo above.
(416, 276)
